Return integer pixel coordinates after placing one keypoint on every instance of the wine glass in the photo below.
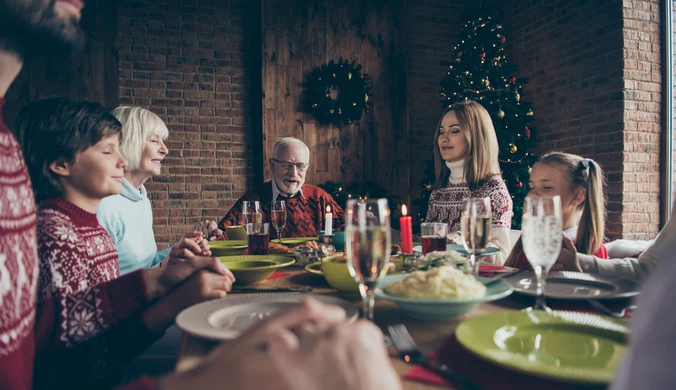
(541, 232)
(367, 243)
(279, 217)
(475, 227)
(251, 212)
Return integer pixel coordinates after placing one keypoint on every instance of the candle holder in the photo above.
(327, 249)
(410, 261)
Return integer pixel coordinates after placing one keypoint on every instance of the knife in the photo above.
(499, 278)
(278, 289)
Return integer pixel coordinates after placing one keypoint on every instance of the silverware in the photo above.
(499, 278)
(410, 353)
(606, 310)
(278, 289)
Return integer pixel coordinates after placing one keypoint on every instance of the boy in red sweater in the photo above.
(73, 158)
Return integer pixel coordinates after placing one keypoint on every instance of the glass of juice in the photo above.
(258, 238)
(433, 236)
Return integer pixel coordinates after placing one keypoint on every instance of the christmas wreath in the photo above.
(337, 93)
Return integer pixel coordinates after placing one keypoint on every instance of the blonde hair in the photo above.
(137, 125)
(481, 160)
(580, 173)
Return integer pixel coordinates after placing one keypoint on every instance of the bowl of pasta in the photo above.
(440, 293)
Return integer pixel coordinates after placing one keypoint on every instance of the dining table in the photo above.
(430, 336)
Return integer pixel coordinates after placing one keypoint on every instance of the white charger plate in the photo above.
(227, 318)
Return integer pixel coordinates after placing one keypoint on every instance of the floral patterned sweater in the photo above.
(99, 327)
(446, 205)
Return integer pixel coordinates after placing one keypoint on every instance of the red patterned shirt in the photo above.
(76, 252)
(446, 204)
(18, 265)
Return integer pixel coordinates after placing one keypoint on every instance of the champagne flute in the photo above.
(475, 227)
(251, 212)
(541, 238)
(367, 243)
(279, 217)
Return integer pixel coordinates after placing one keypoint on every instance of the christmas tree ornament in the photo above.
(503, 39)
(483, 56)
(513, 149)
(518, 185)
(486, 83)
(349, 76)
(530, 113)
(517, 97)
(527, 132)
(512, 79)
(500, 114)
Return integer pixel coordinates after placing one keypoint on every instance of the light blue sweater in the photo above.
(128, 218)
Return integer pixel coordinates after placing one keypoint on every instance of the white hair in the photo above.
(285, 142)
(137, 125)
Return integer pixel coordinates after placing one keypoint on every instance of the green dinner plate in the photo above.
(297, 240)
(314, 268)
(564, 345)
(461, 249)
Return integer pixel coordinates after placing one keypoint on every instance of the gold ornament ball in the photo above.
(349, 76)
(501, 114)
(530, 113)
(458, 60)
(485, 82)
(366, 98)
(513, 149)
(517, 97)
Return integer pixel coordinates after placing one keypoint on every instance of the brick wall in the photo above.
(576, 55)
(191, 63)
(432, 31)
(642, 118)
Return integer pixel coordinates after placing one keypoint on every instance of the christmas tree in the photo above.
(481, 72)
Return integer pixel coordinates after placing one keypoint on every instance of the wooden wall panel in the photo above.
(300, 35)
(92, 75)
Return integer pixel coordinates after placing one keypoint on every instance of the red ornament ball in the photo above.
(518, 185)
(512, 79)
(527, 132)
(327, 95)
(483, 56)
(503, 39)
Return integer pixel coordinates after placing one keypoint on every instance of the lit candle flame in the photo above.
(328, 209)
(403, 210)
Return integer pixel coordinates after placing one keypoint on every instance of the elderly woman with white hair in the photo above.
(128, 216)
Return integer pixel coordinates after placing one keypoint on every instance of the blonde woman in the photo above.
(579, 182)
(128, 217)
(466, 165)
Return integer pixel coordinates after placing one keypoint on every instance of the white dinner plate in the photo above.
(227, 318)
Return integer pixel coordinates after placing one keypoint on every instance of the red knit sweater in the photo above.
(305, 213)
(20, 327)
(76, 253)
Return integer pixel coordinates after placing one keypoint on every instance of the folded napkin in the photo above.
(278, 274)
(484, 374)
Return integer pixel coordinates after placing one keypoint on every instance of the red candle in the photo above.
(406, 232)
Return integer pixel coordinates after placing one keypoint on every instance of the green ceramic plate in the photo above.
(254, 269)
(297, 240)
(461, 249)
(314, 268)
(564, 345)
(228, 247)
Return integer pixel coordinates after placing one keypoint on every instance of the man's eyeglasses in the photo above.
(288, 165)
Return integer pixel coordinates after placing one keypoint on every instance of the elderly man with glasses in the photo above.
(306, 204)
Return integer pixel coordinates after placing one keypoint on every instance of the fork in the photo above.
(606, 310)
(410, 353)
